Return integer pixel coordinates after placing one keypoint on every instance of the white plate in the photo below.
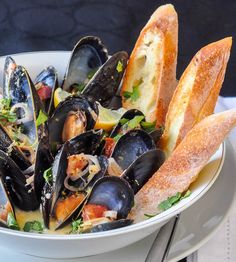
(209, 213)
(51, 245)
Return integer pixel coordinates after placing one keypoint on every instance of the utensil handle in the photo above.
(161, 245)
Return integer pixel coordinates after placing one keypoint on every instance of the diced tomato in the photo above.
(75, 164)
(44, 92)
(109, 145)
(92, 211)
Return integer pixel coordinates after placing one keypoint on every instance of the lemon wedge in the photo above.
(59, 95)
(108, 118)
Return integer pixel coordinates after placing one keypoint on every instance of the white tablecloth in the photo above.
(222, 246)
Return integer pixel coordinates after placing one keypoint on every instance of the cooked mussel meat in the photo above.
(72, 117)
(87, 56)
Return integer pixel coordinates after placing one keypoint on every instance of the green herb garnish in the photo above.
(117, 137)
(171, 201)
(148, 126)
(91, 73)
(119, 67)
(5, 111)
(76, 226)
(47, 175)
(133, 123)
(11, 221)
(123, 121)
(149, 216)
(135, 94)
(42, 118)
(33, 227)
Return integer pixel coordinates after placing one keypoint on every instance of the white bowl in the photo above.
(71, 246)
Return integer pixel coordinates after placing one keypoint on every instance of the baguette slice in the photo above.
(197, 92)
(184, 164)
(152, 66)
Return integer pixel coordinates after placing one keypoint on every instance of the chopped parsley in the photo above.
(171, 201)
(135, 94)
(119, 67)
(11, 221)
(123, 121)
(42, 118)
(76, 226)
(117, 137)
(148, 126)
(47, 175)
(33, 227)
(5, 111)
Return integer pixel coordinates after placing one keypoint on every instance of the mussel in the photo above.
(108, 205)
(105, 83)
(20, 191)
(72, 117)
(142, 169)
(87, 56)
(67, 185)
(45, 84)
(132, 145)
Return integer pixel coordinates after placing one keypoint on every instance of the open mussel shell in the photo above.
(71, 105)
(13, 151)
(5, 204)
(47, 78)
(131, 146)
(26, 103)
(84, 143)
(105, 83)
(114, 193)
(22, 194)
(9, 67)
(87, 56)
(110, 225)
(142, 169)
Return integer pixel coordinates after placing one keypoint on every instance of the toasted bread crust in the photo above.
(162, 27)
(184, 164)
(197, 92)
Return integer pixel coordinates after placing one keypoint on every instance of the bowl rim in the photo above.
(162, 217)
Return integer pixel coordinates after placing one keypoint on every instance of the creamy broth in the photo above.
(22, 217)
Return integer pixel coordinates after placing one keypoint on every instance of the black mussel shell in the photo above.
(9, 67)
(48, 77)
(156, 135)
(15, 153)
(85, 143)
(43, 161)
(131, 146)
(22, 91)
(105, 83)
(130, 114)
(142, 169)
(46, 203)
(21, 194)
(114, 193)
(87, 56)
(110, 225)
(72, 103)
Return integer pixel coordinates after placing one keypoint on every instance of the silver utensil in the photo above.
(162, 243)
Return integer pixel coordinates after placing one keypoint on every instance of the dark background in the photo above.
(34, 25)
